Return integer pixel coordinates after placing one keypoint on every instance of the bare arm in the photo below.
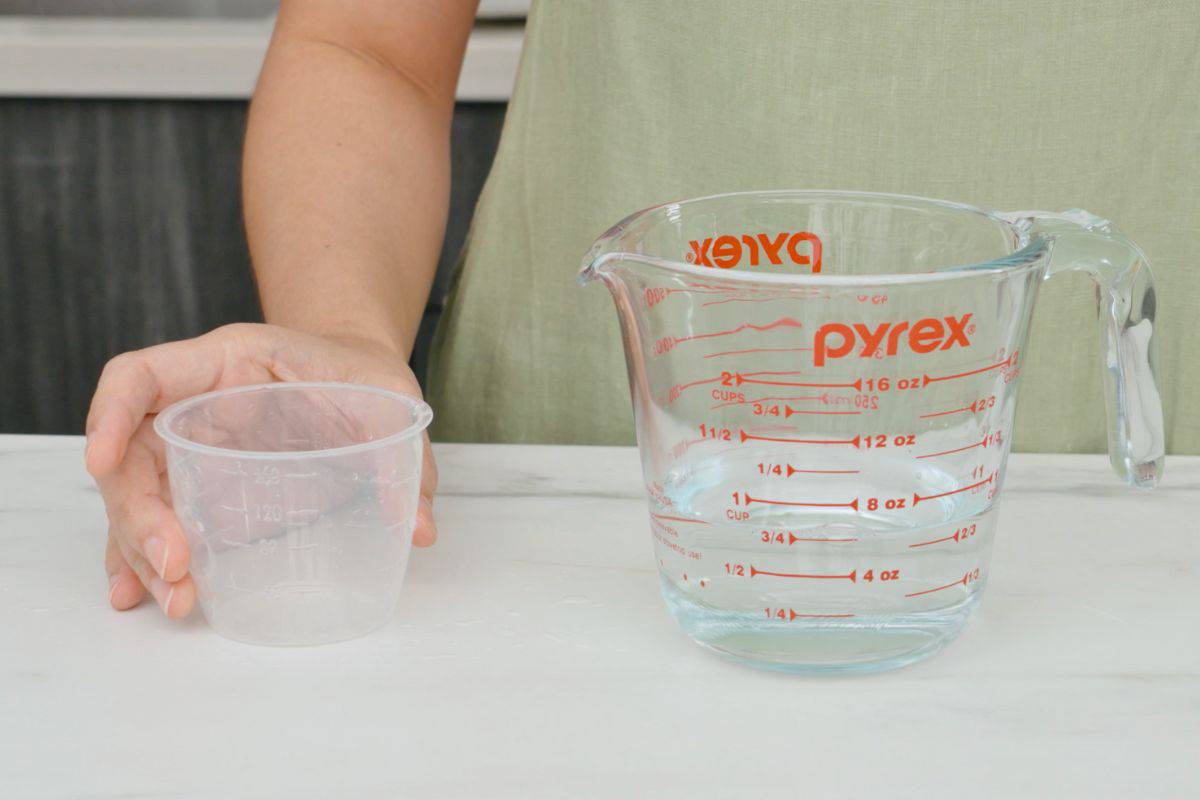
(346, 175)
(346, 187)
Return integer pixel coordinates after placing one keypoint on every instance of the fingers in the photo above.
(425, 531)
(429, 471)
(129, 575)
(140, 519)
(175, 599)
(124, 589)
(143, 382)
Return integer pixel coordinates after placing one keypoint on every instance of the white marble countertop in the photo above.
(532, 657)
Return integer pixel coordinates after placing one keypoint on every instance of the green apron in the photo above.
(1008, 105)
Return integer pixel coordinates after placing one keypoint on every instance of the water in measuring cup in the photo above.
(877, 565)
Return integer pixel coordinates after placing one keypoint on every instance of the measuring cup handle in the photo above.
(1126, 305)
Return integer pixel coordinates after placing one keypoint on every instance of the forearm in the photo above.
(346, 186)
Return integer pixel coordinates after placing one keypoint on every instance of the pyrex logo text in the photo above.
(726, 251)
(837, 339)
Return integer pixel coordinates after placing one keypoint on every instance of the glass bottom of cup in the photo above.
(864, 643)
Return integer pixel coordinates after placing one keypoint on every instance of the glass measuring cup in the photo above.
(298, 501)
(824, 386)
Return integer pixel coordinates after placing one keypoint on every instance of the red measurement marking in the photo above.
(970, 408)
(793, 615)
(960, 582)
(769, 372)
(918, 498)
(679, 388)
(664, 527)
(759, 350)
(682, 447)
(698, 289)
(739, 379)
(786, 322)
(852, 504)
(792, 471)
(791, 411)
(852, 577)
(792, 539)
(853, 441)
(937, 541)
(679, 519)
(738, 300)
(980, 443)
(926, 380)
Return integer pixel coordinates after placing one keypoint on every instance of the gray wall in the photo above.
(120, 227)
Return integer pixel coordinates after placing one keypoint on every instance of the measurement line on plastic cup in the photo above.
(918, 498)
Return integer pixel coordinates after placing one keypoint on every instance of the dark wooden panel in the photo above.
(474, 137)
(120, 227)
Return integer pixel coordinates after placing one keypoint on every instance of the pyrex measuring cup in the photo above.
(298, 501)
(824, 386)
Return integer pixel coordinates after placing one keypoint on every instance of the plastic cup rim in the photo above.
(422, 416)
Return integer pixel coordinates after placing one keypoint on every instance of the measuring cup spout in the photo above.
(600, 267)
(1125, 300)
(605, 255)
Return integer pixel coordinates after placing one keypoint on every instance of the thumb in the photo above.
(425, 532)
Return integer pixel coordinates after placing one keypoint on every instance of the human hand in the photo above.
(146, 548)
